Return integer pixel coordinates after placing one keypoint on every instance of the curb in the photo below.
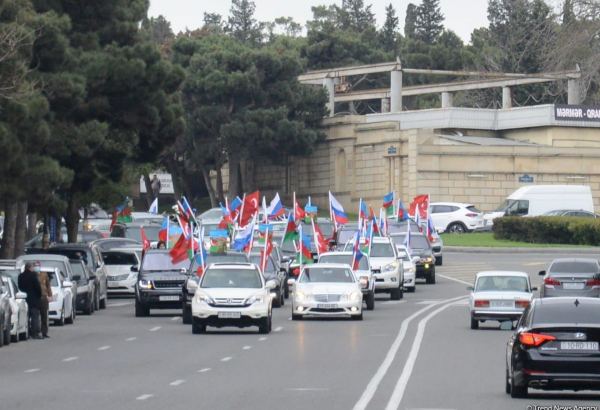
(483, 249)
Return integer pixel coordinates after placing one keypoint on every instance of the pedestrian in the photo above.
(156, 185)
(161, 245)
(29, 283)
(46, 297)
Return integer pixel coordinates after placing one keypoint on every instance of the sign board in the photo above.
(166, 183)
(392, 150)
(525, 178)
(579, 113)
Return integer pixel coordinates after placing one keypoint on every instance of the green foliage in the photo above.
(429, 22)
(410, 21)
(158, 30)
(389, 32)
(241, 23)
(562, 230)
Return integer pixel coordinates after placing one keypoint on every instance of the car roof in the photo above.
(125, 249)
(233, 266)
(502, 273)
(336, 253)
(585, 260)
(76, 246)
(42, 257)
(566, 301)
(327, 265)
(463, 204)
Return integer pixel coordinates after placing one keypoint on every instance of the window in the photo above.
(327, 275)
(382, 250)
(119, 258)
(161, 262)
(473, 209)
(574, 267)
(347, 259)
(231, 278)
(502, 284)
(520, 207)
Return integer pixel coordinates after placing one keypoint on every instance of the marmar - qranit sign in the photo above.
(576, 113)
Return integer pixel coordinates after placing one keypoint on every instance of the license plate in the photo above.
(113, 284)
(502, 303)
(573, 285)
(168, 298)
(230, 315)
(579, 345)
(327, 306)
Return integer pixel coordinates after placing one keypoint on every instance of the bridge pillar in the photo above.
(506, 98)
(396, 91)
(447, 100)
(574, 91)
(385, 105)
(329, 84)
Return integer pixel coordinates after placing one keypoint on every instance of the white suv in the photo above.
(455, 217)
(387, 268)
(232, 294)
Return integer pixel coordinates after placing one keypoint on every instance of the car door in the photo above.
(440, 215)
(100, 271)
(69, 296)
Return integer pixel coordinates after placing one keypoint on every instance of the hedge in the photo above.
(548, 229)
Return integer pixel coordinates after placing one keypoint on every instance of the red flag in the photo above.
(145, 241)
(322, 242)
(300, 214)
(250, 207)
(421, 202)
(179, 252)
(266, 251)
(372, 218)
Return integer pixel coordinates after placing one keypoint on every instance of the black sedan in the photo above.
(422, 252)
(555, 347)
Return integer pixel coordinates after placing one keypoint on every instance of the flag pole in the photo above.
(359, 212)
(371, 237)
(168, 225)
(263, 260)
(251, 235)
(300, 255)
(354, 247)
(242, 210)
(315, 237)
(284, 232)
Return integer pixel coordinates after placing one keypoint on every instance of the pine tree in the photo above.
(158, 29)
(568, 13)
(354, 15)
(429, 24)
(410, 22)
(213, 22)
(389, 31)
(241, 22)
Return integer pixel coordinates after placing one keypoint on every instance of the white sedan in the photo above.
(363, 273)
(410, 268)
(61, 309)
(19, 320)
(499, 295)
(326, 289)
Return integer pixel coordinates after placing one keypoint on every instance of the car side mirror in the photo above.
(21, 296)
(533, 289)
(271, 284)
(67, 284)
(291, 281)
(415, 259)
(134, 268)
(471, 288)
(542, 273)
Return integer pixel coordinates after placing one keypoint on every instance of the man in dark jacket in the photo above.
(29, 283)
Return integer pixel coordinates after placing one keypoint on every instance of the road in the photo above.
(418, 353)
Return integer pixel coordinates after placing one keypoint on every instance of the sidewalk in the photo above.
(485, 249)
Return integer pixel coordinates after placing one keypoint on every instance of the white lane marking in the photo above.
(247, 347)
(400, 387)
(155, 328)
(144, 396)
(392, 302)
(278, 329)
(307, 389)
(456, 280)
(130, 339)
(371, 388)
(177, 382)
(101, 348)
(70, 359)
(426, 302)
(534, 263)
(119, 304)
(32, 370)
(226, 359)
(174, 318)
(206, 369)
(262, 339)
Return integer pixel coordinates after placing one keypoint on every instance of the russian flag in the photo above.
(430, 229)
(243, 238)
(357, 255)
(338, 211)
(275, 208)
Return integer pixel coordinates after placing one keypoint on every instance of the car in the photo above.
(233, 294)
(133, 230)
(146, 217)
(106, 244)
(363, 273)
(575, 213)
(5, 315)
(189, 287)
(212, 214)
(92, 257)
(55, 261)
(394, 226)
(326, 289)
(19, 321)
(86, 299)
(272, 272)
(7, 264)
(420, 248)
(344, 234)
(159, 282)
(122, 267)
(455, 217)
(499, 295)
(102, 225)
(409, 268)
(35, 243)
(555, 347)
(61, 308)
(571, 277)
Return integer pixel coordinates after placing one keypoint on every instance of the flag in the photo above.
(249, 208)
(187, 209)
(145, 241)
(388, 204)
(304, 254)
(299, 212)
(122, 214)
(218, 241)
(418, 221)
(382, 223)
(183, 249)
(263, 230)
(201, 255)
(291, 230)
(362, 210)
(402, 214)
(407, 238)
(154, 207)
(420, 203)
(226, 222)
(169, 233)
(373, 222)
(266, 251)
(244, 238)
(321, 244)
(275, 209)
(430, 229)
(234, 208)
(337, 210)
(373, 225)
(357, 255)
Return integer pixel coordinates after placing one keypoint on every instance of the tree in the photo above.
(389, 31)
(288, 26)
(355, 16)
(158, 29)
(410, 21)
(213, 22)
(241, 22)
(429, 22)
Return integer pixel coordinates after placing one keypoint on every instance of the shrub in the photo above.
(548, 229)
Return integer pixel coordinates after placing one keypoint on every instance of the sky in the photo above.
(462, 16)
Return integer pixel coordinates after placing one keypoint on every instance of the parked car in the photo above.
(571, 277)
(35, 243)
(326, 289)
(106, 244)
(499, 295)
(5, 315)
(159, 282)
(274, 273)
(421, 252)
(19, 308)
(555, 347)
(86, 298)
(232, 295)
(92, 257)
(410, 268)
(455, 217)
(61, 308)
(575, 213)
(122, 267)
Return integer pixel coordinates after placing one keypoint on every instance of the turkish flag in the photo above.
(145, 241)
(249, 207)
(421, 202)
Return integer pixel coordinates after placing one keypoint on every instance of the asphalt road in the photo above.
(418, 353)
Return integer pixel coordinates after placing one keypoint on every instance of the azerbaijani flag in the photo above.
(402, 212)
(340, 217)
(234, 208)
(218, 241)
(388, 204)
(122, 214)
(291, 230)
(183, 249)
(304, 254)
(362, 210)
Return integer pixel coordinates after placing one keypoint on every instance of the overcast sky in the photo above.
(462, 16)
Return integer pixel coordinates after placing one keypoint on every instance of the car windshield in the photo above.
(78, 269)
(208, 228)
(13, 274)
(221, 258)
(400, 227)
(502, 284)
(326, 228)
(382, 250)
(54, 264)
(77, 254)
(119, 258)
(416, 241)
(53, 279)
(213, 213)
(269, 268)
(347, 259)
(554, 213)
(116, 243)
(574, 267)
(326, 275)
(231, 278)
(345, 235)
(504, 205)
(161, 262)
(135, 233)
(566, 313)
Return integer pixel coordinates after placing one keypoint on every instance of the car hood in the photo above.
(230, 293)
(327, 288)
(378, 263)
(503, 295)
(360, 273)
(421, 253)
(118, 269)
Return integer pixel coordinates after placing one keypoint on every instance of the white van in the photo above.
(535, 200)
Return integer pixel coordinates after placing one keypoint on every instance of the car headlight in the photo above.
(192, 285)
(254, 299)
(355, 296)
(300, 296)
(145, 284)
(390, 267)
(203, 297)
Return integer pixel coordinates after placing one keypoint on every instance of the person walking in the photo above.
(29, 283)
(156, 186)
(45, 301)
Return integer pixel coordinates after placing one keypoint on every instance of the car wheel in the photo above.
(411, 289)
(439, 261)
(431, 278)
(264, 325)
(25, 334)
(370, 301)
(397, 294)
(456, 227)
(103, 303)
(198, 326)
(277, 300)
(71, 318)
(281, 297)
(186, 315)
(357, 317)
(295, 316)
(7, 338)
(89, 308)
(1, 337)
(97, 302)
(474, 323)
(141, 310)
(507, 383)
(15, 338)
(286, 289)
(517, 391)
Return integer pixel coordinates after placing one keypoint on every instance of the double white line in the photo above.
(400, 387)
